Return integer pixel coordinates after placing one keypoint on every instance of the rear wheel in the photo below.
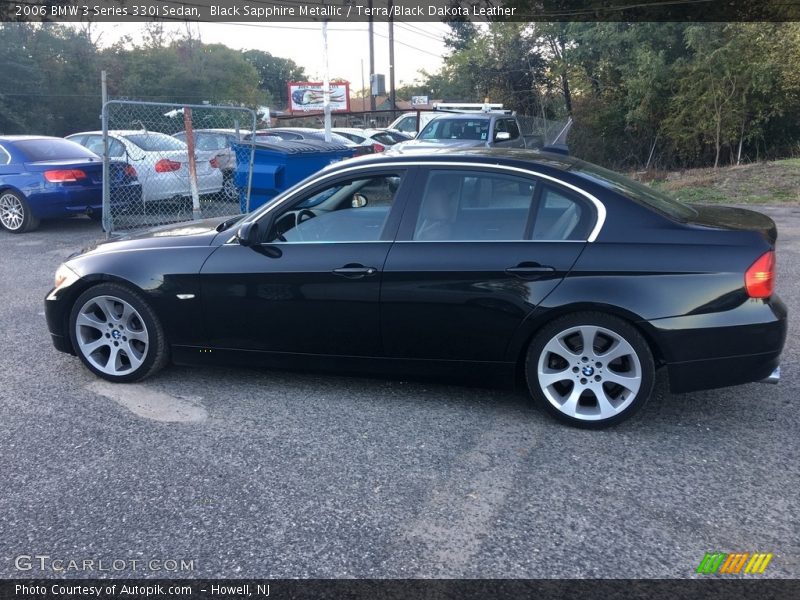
(590, 369)
(15, 213)
(116, 334)
(229, 190)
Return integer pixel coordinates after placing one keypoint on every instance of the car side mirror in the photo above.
(502, 136)
(247, 234)
(359, 200)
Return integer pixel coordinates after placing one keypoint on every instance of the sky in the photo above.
(417, 45)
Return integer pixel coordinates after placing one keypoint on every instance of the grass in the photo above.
(775, 182)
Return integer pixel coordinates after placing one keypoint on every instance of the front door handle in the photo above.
(530, 271)
(355, 271)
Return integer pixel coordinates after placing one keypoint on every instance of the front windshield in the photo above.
(456, 129)
(636, 191)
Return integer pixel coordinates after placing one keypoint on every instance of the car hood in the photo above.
(414, 146)
(192, 233)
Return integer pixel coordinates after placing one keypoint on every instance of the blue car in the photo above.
(47, 177)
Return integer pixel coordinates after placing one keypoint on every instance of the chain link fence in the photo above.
(166, 163)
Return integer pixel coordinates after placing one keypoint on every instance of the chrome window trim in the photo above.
(598, 205)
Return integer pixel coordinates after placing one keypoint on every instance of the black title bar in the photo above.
(712, 588)
(266, 11)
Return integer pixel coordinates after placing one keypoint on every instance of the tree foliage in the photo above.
(50, 83)
(640, 94)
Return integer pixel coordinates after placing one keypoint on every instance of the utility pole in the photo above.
(371, 58)
(392, 98)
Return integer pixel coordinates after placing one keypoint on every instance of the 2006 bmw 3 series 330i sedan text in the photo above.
(507, 262)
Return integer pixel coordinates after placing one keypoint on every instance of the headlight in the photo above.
(64, 277)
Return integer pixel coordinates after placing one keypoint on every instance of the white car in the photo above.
(407, 122)
(379, 139)
(160, 160)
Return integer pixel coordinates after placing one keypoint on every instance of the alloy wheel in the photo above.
(111, 335)
(589, 373)
(12, 212)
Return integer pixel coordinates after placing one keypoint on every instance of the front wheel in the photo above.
(590, 370)
(116, 334)
(15, 213)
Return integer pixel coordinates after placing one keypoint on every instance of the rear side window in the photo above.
(383, 138)
(474, 206)
(95, 144)
(461, 206)
(5, 157)
(561, 216)
(512, 128)
(156, 142)
(58, 149)
(408, 124)
(210, 141)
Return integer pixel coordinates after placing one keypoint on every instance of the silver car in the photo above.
(160, 160)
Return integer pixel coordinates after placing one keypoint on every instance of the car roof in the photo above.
(467, 116)
(119, 132)
(507, 156)
(355, 130)
(20, 138)
(213, 130)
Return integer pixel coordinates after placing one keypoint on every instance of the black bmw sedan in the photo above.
(509, 263)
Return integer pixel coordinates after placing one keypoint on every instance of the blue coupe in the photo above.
(48, 177)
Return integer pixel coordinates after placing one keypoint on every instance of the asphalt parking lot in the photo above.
(279, 474)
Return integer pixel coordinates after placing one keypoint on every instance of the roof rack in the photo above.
(477, 107)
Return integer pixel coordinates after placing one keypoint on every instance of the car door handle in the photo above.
(355, 271)
(529, 271)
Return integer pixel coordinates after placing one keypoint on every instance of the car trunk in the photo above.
(727, 217)
(92, 169)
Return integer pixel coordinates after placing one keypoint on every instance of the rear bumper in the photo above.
(721, 372)
(715, 350)
(51, 203)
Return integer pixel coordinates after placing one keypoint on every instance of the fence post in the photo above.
(187, 126)
(106, 209)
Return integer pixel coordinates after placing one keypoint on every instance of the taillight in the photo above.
(759, 279)
(214, 163)
(166, 165)
(378, 147)
(64, 175)
(130, 172)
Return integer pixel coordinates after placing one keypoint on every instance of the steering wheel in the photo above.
(308, 214)
(300, 217)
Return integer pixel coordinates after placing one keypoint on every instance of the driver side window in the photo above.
(353, 210)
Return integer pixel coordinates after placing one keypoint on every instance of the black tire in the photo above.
(143, 359)
(15, 213)
(580, 386)
(96, 215)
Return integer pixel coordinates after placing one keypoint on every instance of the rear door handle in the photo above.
(529, 271)
(355, 271)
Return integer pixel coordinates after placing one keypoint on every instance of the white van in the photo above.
(407, 122)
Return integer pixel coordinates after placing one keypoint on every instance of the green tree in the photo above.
(274, 73)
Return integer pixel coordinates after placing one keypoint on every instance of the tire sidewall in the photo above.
(145, 312)
(616, 325)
